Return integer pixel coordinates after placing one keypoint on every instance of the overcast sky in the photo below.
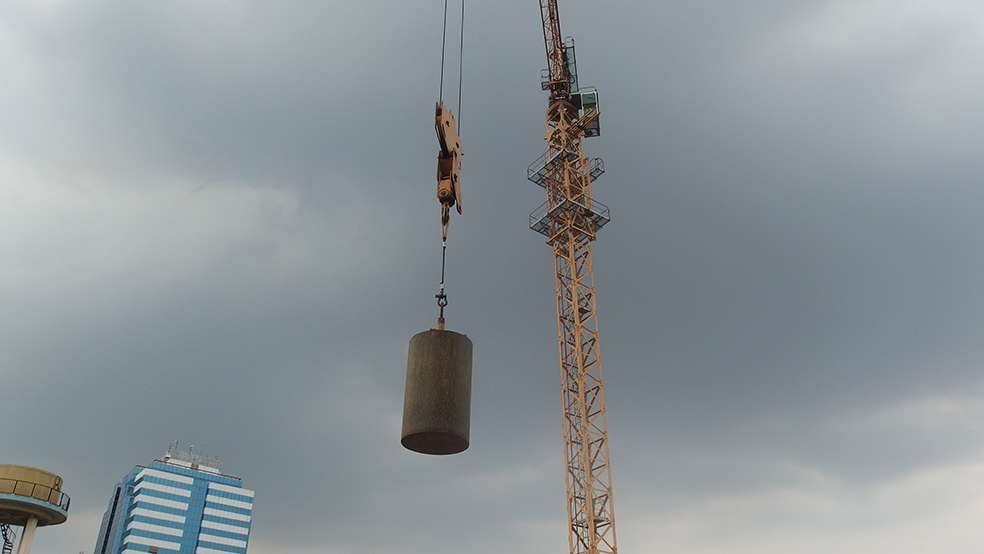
(218, 226)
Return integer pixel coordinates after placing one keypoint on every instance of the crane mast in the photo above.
(570, 219)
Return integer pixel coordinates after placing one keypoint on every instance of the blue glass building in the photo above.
(182, 504)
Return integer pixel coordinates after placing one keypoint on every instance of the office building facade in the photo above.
(180, 504)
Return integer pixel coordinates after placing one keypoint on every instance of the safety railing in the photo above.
(542, 217)
(537, 171)
(36, 491)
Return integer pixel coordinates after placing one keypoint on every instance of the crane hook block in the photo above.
(448, 163)
(437, 403)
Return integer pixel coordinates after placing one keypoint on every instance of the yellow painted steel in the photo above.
(570, 222)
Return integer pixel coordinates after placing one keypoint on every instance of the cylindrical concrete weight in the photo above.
(437, 404)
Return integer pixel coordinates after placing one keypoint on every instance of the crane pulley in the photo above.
(448, 165)
(449, 157)
(437, 400)
(448, 186)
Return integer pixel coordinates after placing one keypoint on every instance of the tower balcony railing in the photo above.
(538, 170)
(36, 491)
(542, 217)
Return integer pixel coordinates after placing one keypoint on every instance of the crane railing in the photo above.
(541, 219)
(537, 171)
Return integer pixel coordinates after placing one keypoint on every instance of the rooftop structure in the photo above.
(189, 459)
(180, 504)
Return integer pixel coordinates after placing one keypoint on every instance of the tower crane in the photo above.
(570, 219)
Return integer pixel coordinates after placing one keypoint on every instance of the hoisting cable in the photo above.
(461, 56)
(444, 42)
(442, 299)
(449, 159)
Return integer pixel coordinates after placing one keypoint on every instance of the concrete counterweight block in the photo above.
(437, 404)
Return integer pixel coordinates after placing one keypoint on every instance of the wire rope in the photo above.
(461, 57)
(442, 297)
(444, 43)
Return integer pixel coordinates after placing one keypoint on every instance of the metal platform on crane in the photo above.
(537, 171)
(541, 219)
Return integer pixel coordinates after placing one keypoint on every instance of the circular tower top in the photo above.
(29, 491)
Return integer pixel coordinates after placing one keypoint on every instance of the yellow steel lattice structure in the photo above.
(570, 219)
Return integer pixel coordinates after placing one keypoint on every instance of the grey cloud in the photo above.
(219, 227)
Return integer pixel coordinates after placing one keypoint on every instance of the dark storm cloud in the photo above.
(220, 228)
(227, 92)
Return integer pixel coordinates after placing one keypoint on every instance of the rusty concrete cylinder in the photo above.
(437, 403)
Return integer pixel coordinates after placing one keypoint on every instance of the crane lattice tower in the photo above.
(570, 219)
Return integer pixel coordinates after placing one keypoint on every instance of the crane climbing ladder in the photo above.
(570, 219)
